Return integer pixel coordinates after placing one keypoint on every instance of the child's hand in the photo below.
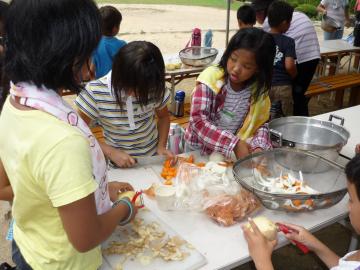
(164, 152)
(357, 149)
(260, 248)
(122, 159)
(117, 187)
(241, 149)
(303, 236)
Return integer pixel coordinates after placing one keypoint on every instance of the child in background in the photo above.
(260, 249)
(230, 102)
(109, 45)
(246, 16)
(50, 164)
(279, 16)
(125, 103)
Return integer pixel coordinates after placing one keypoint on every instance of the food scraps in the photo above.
(145, 242)
(227, 209)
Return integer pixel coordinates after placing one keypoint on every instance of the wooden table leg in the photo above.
(354, 96)
(339, 97)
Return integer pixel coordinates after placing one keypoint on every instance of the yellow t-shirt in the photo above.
(49, 165)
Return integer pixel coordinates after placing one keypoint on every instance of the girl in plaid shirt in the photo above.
(230, 103)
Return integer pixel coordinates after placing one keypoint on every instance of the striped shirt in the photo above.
(132, 128)
(236, 107)
(303, 32)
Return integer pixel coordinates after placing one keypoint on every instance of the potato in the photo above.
(266, 227)
(170, 66)
(130, 194)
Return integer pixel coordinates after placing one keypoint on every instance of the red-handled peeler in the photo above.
(285, 229)
(137, 194)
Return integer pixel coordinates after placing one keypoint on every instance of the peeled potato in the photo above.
(170, 66)
(266, 227)
(130, 194)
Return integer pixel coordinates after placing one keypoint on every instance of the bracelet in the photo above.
(124, 201)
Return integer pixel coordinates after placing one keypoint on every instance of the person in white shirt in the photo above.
(261, 249)
(307, 51)
(337, 10)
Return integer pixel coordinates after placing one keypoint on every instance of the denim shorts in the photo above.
(338, 34)
(18, 259)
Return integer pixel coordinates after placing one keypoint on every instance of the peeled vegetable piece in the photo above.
(216, 157)
(130, 194)
(266, 227)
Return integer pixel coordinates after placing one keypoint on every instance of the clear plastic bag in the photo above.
(228, 209)
(188, 193)
(213, 189)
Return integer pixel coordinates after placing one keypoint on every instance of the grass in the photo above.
(221, 4)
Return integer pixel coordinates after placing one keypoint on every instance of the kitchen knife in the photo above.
(150, 160)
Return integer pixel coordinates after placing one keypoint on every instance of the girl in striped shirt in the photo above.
(125, 103)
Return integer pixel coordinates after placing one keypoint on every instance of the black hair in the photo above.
(246, 14)
(262, 44)
(352, 171)
(3, 93)
(3, 9)
(110, 18)
(49, 41)
(278, 12)
(139, 67)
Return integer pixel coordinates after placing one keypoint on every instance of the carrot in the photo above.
(296, 202)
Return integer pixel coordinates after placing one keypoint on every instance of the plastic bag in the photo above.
(188, 193)
(228, 209)
(213, 189)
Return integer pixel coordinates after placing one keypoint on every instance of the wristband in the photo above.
(126, 202)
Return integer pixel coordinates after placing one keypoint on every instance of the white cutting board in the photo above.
(192, 262)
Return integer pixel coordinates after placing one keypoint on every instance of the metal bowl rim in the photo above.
(282, 195)
(199, 47)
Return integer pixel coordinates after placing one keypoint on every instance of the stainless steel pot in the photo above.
(324, 138)
(329, 24)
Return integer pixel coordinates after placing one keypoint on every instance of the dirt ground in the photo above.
(169, 27)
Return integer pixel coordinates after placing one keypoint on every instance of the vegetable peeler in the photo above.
(138, 194)
(285, 229)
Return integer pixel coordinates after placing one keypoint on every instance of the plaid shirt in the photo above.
(202, 131)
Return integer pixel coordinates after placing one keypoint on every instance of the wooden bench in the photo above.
(183, 121)
(337, 83)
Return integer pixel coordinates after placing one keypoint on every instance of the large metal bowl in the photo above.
(198, 56)
(330, 184)
(324, 138)
(329, 24)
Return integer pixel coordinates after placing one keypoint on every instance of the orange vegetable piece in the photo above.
(168, 182)
(296, 202)
(167, 163)
(200, 164)
(190, 159)
(309, 202)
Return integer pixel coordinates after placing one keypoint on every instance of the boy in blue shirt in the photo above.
(280, 16)
(109, 45)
